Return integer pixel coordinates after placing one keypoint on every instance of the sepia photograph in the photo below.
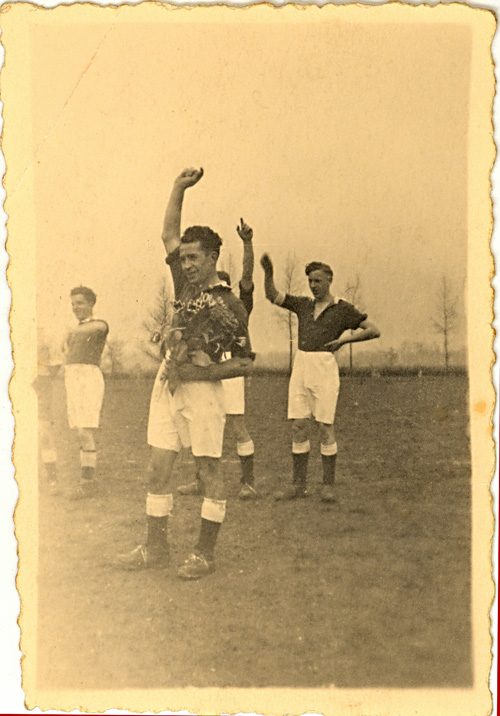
(251, 324)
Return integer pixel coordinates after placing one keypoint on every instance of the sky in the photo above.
(335, 141)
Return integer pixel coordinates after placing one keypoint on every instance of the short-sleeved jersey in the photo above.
(246, 297)
(86, 342)
(336, 318)
(185, 292)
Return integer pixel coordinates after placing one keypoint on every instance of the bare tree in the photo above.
(289, 282)
(116, 354)
(157, 320)
(446, 314)
(228, 264)
(352, 292)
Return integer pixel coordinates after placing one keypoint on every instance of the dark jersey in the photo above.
(314, 333)
(246, 297)
(184, 292)
(86, 342)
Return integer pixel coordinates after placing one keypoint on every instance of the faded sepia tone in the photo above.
(357, 136)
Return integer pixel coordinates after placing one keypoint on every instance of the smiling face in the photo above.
(82, 307)
(198, 265)
(319, 283)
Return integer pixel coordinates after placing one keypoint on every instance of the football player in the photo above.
(84, 382)
(325, 325)
(194, 414)
(234, 388)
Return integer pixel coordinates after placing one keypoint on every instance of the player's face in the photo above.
(197, 265)
(82, 308)
(319, 283)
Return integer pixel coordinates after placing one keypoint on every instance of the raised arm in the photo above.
(171, 234)
(246, 235)
(269, 287)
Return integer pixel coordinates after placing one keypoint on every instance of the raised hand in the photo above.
(266, 263)
(189, 177)
(245, 232)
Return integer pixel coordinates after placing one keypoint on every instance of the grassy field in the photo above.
(372, 591)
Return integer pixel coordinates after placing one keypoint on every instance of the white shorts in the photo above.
(194, 416)
(84, 393)
(314, 387)
(234, 395)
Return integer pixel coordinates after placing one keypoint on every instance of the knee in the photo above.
(86, 439)
(326, 434)
(300, 432)
(240, 430)
(211, 474)
(215, 488)
(157, 481)
(158, 473)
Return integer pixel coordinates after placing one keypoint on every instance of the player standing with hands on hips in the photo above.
(84, 382)
(314, 383)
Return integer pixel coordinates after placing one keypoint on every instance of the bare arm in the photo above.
(367, 331)
(171, 234)
(232, 368)
(246, 235)
(269, 287)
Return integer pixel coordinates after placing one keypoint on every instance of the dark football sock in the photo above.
(329, 462)
(208, 537)
(246, 462)
(157, 534)
(88, 473)
(88, 462)
(300, 468)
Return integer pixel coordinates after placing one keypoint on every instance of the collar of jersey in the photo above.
(91, 318)
(336, 299)
(220, 284)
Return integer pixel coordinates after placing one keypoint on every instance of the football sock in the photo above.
(49, 459)
(158, 510)
(329, 458)
(212, 516)
(88, 460)
(245, 452)
(300, 454)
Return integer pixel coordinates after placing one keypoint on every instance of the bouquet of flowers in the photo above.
(203, 329)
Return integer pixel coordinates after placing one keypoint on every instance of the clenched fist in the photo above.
(189, 177)
(266, 263)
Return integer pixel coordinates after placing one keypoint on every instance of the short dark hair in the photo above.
(209, 240)
(86, 292)
(319, 266)
(224, 276)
